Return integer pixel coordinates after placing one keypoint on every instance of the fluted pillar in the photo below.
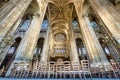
(111, 9)
(91, 49)
(14, 29)
(89, 42)
(94, 41)
(10, 13)
(25, 49)
(45, 51)
(112, 25)
(4, 49)
(27, 45)
(74, 52)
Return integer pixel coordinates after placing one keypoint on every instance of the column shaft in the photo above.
(111, 9)
(10, 33)
(13, 30)
(27, 45)
(96, 43)
(89, 42)
(74, 53)
(11, 11)
(106, 17)
(45, 51)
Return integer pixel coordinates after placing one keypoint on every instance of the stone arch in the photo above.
(79, 42)
(106, 48)
(10, 55)
(67, 3)
(25, 22)
(39, 46)
(59, 20)
(81, 49)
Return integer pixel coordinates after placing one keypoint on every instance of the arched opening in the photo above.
(25, 23)
(105, 48)
(39, 46)
(10, 55)
(38, 49)
(81, 49)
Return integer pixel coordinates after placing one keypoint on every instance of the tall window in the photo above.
(24, 26)
(95, 26)
(106, 50)
(75, 24)
(45, 24)
(10, 54)
(11, 50)
(83, 49)
(14, 46)
(59, 50)
(104, 46)
(39, 46)
(79, 45)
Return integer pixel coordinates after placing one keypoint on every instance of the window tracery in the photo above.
(24, 26)
(59, 37)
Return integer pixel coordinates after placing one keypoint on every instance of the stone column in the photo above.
(45, 51)
(107, 18)
(25, 49)
(74, 52)
(89, 42)
(10, 13)
(4, 47)
(27, 45)
(112, 10)
(14, 29)
(97, 49)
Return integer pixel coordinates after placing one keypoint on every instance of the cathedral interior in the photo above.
(65, 39)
